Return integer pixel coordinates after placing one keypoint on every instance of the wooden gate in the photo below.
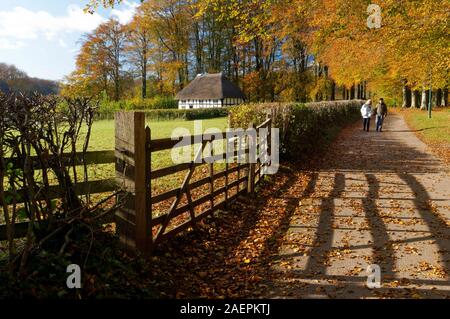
(153, 209)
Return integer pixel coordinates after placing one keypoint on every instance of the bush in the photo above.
(242, 115)
(107, 108)
(157, 108)
(304, 128)
(155, 103)
(188, 115)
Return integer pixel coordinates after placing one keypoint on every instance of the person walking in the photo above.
(366, 112)
(381, 114)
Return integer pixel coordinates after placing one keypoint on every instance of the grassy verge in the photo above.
(435, 132)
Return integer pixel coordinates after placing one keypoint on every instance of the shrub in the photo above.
(107, 108)
(155, 103)
(157, 108)
(304, 128)
(45, 131)
(188, 115)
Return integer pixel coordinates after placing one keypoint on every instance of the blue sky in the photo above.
(41, 37)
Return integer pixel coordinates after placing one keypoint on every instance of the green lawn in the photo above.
(102, 137)
(434, 130)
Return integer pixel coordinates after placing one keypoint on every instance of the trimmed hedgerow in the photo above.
(304, 128)
(188, 115)
(107, 108)
(170, 114)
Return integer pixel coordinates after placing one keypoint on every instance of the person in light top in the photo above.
(366, 113)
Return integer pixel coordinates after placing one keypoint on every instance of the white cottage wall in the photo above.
(199, 104)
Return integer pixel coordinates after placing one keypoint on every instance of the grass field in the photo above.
(434, 132)
(103, 131)
(103, 135)
(102, 138)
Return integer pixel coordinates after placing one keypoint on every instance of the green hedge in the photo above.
(188, 115)
(107, 108)
(167, 115)
(304, 128)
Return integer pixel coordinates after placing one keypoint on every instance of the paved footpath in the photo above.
(378, 198)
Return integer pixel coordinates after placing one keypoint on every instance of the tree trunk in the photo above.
(424, 103)
(434, 100)
(415, 99)
(144, 75)
(352, 92)
(116, 89)
(438, 97)
(405, 97)
(333, 91)
(365, 90)
(344, 93)
(444, 97)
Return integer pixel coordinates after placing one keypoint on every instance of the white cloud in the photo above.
(125, 14)
(62, 43)
(7, 44)
(21, 24)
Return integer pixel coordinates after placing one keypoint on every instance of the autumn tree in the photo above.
(139, 47)
(170, 24)
(12, 79)
(93, 5)
(298, 49)
(99, 65)
(409, 46)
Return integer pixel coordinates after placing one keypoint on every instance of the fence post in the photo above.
(211, 173)
(251, 165)
(133, 219)
(148, 185)
(269, 140)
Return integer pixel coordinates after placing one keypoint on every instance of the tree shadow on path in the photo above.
(233, 255)
(436, 224)
(393, 158)
(324, 239)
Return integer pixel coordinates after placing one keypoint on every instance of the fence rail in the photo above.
(55, 191)
(147, 219)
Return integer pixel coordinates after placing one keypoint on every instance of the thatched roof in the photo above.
(210, 87)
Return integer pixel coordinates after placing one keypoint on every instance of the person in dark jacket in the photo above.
(381, 114)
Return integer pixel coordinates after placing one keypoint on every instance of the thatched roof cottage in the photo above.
(208, 91)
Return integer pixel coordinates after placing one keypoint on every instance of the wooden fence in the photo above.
(55, 192)
(148, 218)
